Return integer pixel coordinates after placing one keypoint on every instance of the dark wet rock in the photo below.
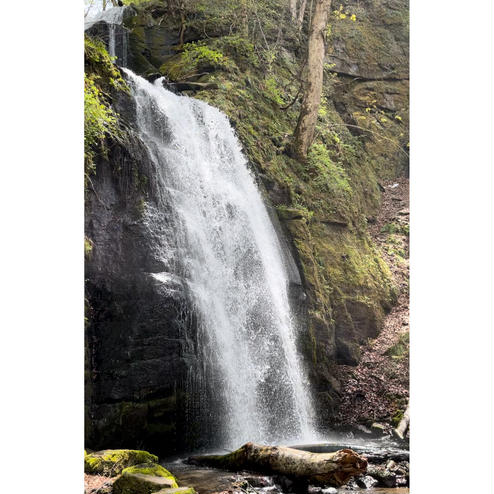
(194, 86)
(258, 481)
(366, 482)
(136, 306)
(385, 477)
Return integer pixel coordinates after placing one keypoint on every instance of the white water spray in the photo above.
(233, 264)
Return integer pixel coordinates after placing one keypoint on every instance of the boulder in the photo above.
(152, 469)
(366, 482)
(139, 483)
(112, 462)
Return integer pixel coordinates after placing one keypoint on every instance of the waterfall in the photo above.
(117, 35)
(233, 265)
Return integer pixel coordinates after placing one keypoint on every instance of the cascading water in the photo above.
(233, 263)
(117, 34)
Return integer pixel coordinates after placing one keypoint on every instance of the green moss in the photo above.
(396, 418)
(328, 175)
(100, 120)
(151, 469)
(113, 462)
(88, 247)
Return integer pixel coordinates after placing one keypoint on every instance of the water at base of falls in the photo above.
(230, 256)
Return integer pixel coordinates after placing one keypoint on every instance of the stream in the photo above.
(210, 480)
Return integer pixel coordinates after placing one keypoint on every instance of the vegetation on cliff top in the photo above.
(100, 120)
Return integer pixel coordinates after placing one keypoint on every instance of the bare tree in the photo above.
(293, 9)
(304, 132)
(301, 13)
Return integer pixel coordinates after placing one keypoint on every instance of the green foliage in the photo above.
(100, 120)
(241, 49)
(272, 91)
(98, 62)
(329, 175)
(195, 53)
(195, 57)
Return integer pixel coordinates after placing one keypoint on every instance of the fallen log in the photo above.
(314, 468)
(402, 428)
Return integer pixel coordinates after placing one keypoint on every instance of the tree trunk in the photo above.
(301, 13)
(293, 9)
(316, 468)
(401, 430)
(304, 132)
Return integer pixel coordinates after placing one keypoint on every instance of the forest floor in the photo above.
(377, 389)
(97, 483)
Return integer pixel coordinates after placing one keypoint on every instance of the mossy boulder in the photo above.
(132, 482)
(112, 462)
(152, 469)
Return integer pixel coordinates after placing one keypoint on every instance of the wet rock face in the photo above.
(141, 338)
(137, 308)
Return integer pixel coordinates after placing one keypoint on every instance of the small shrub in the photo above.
(272, 91)
(195, 53)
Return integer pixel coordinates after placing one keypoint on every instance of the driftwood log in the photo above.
(402, 428)
(315, 468)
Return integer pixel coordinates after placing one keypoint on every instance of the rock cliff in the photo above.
(140, 339)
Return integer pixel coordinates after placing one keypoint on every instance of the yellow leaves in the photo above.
(344, 14)
(368, 110)
(384, 119)
(397, 117)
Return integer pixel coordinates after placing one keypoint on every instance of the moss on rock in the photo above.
(152, 469)
(139, 483)
(112, 462)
